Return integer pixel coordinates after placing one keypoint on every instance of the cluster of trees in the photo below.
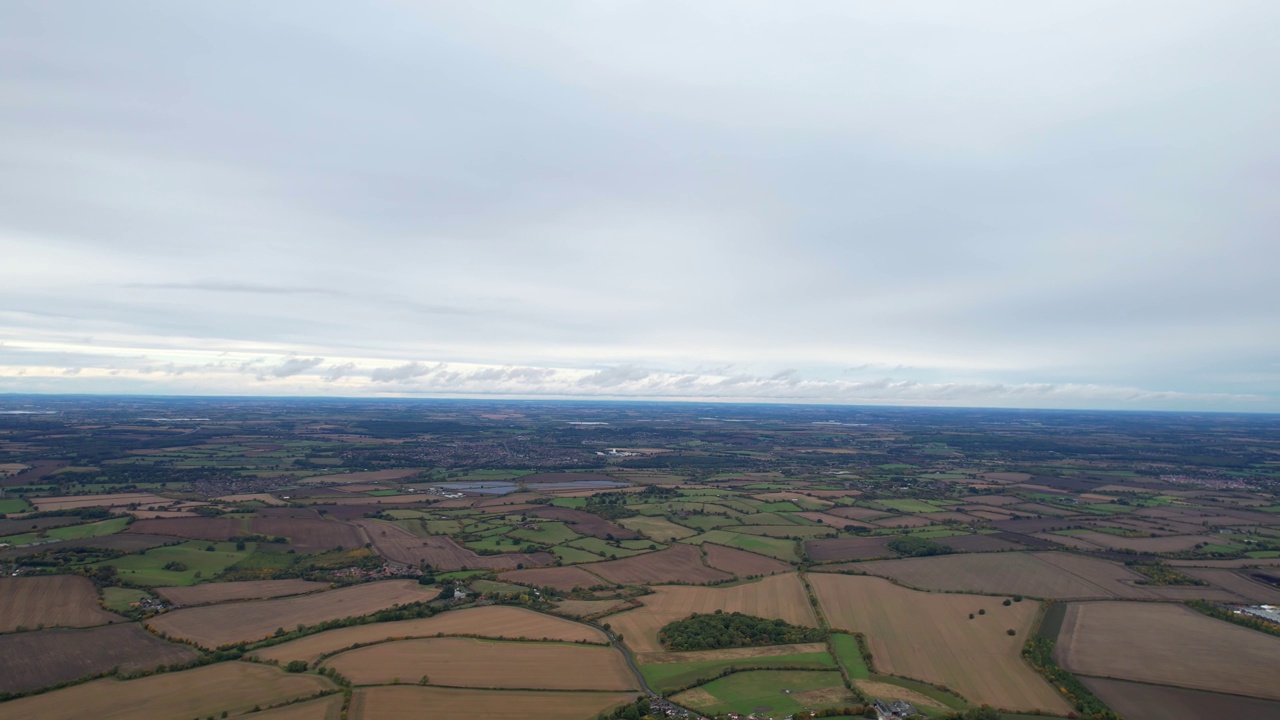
(610, 506)
(1158, 573)
(912, 546)
(633, 711)
(727, 630)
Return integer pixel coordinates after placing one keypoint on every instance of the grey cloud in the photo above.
(403, 372)
(294, 366)
(334, 373)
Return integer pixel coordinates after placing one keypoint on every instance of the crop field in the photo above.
(209, 593)
(406, 702)
(325, 708)
(32, 660)
(585, 523)
(233, 687)
(776, 596)
(678, 563)
(1030, 574)
(198, 528)
(667, 672)
(440, 552)
(590, 608)
(1168, 645)
(493, 621)
(856, 548)
(213, 626)
(364, 477)
(773, 547)
(560, 578)
(772, 692)
(1238, 583)
(468, 662)
(1140, 701)
(51, 601)
(1167, 544)
(980, 543)
(69, 502)
(194, 561)
(656, 528)
(928, 636)
(310, 535)
(741, 562)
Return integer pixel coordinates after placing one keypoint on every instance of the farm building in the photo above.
(895, 710)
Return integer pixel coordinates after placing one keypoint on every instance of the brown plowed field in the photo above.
(560, 578)
(741, 562)
(32, 660)
(494, 621)
(1166, 544)
(979, 543)
(678, 563)
(213, 626)
(52, 601)
(198, 528)
(777, 596)
(1168, 645)
(440, 552)
(468, 662)
(210, 593)
(928, 636)
(1139, 701)
(858, 548)
(325, 708)
(586, 523)
(308, 535)
(1042, 575)
(407, 703)
(234, 687)
(1238, 583)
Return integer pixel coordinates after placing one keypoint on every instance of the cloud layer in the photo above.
(1065, 204)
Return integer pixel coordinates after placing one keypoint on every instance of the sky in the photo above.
(1061, 204)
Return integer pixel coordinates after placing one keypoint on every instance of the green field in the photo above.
(670, 677)
(148, 568)
(658, 528)
(572, 555)
(850, 657)
(603, 548)
(569, 502)
(756, 690)
(547, 533)
(120, 599)
(13, 505)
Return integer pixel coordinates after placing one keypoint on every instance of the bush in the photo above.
(296, 666)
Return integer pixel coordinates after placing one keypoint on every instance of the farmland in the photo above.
(929, 636)
(776, 692)
(1140, 701)
(211, 593)
(1167, 645)
(678, 563)
(470, 662)
(491, 621)
(778, 596)
(214, 626)
(406, 703)
(672, 671)
(32, 660)
(50, 601)
(232, 687)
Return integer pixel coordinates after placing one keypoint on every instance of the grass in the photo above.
(744, 692)
(669, 677)
(547, 533)
(850, 657)
(784, 506)
(951, 700)
(120, 599)
(148, 568)
(572, 555)
(492, 586)
(13, 505)
(569, 502)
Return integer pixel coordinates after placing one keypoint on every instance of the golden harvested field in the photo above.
(929, 636)
(68, 502)
(657, 528)
(741, 562)
(589, 608)
(213, 626)
(678, 563)
(777, 596)
(468, 662)
(746, 653)
(235, 687)
(406, 702)
(217, 592)
(1168, 645)
(325, 708)
(52, 601)
(495, 621)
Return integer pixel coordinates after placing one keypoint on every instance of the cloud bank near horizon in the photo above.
(1057, 204)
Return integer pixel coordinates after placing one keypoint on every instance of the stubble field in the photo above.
(406, 702)
(209, 593)
(39, 659)
(51, 601)
(678, 563)
(929, 636)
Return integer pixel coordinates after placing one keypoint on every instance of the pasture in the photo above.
(233, 687)
(184, 564)
(214, 626)
(659, 529)
(772, 692)
(406, 702)
(39, 659)
(929, 636)
(50, 601)
(470, 662)
(493, 621)
(777, 596)
(1168, 645)
(667, 672)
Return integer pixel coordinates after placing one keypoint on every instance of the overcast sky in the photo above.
(1026, 204)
